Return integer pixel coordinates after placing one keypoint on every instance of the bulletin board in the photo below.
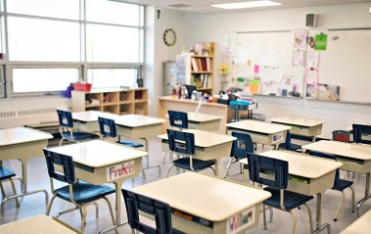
(273, 52)
(346, 62)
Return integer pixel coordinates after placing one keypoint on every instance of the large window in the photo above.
(47, 44)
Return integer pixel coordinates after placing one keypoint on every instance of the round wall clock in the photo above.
(169, 37)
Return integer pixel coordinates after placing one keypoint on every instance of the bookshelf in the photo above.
(117, 101)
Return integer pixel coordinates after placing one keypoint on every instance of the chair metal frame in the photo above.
(67, 164)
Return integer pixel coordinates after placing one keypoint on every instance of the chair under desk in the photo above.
(39, 224)
(301, 126)
(307, 175)
(355, 158)
(261, 132)
(361, 226)
(206, 204)
(88, 120)
(99, 162)
(209, 146)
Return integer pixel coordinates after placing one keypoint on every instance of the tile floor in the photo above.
(38, 178)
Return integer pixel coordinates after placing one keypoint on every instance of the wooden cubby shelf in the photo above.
(117, 101)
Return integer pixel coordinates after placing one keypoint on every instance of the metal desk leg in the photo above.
(319, 227)
(217, 167)
(118, 185)
(24, 176)
(150, 166)
(367, 194)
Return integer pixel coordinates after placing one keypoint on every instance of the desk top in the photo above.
(90, 116)
(296, 120)
(351, 127)
(199, 117)
(341, 149)
(138, 120)
(303, 165)
(12, 136)
(39, 224)
(208, 197)
(258, 126)
(99, 153)
(206, 139)
(189, 101)
(361, 226)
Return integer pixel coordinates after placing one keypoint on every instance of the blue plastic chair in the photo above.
(359, 131)
(288, 145)
(79, 193)
(161, 212)
(107, 128)
(178, 119)
(184, 143)
(66, 122)
(339, 184)
(241, 147)
(277, 186)
(6, 174)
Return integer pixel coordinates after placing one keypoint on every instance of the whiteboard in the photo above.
(272, 51)
(347, 63)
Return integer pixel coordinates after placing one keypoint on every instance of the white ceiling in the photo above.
(203, 6)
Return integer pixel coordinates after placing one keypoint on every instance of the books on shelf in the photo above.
(201, 64)
(202, 80)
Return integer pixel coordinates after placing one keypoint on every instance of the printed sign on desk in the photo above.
(240, 221)
(120, 170)
(277, 137)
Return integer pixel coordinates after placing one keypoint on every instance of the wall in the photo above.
(157, 52)
(202, 27)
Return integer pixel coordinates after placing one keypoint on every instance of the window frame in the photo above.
(6, 66)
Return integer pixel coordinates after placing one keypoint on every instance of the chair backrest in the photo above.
(161, 211)
(328, 156)
(341, 135)
(287, 143)
(259, 164)
(359, 131)
(242, 146)
(65, 162)
(65, 118)
(178, 119)
(181, 142)
(107, 127)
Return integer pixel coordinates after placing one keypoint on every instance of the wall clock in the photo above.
(169, 37)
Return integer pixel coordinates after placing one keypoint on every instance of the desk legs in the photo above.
(367, 194)
(319, 227)
(146, 140)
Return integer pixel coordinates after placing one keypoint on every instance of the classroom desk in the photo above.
(88, 120)
(209, 146)
(212, 202)
(307, 175)
(98, 162)
(140, 127)
(22, 144)
(261, 132)
(39, 224)
(355, 158)
(360, 226)
(204, 121)
(301, 126)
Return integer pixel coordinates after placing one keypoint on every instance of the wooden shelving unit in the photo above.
(117, 101)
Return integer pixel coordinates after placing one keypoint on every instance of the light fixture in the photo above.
(253, 4)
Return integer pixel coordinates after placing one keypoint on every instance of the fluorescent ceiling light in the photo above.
(240, 5)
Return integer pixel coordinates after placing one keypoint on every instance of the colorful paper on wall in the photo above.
(320, 41)
(313, 58)
(254, 87)
(224, 69)
(312, 76)
(300, 37)
(298, 58)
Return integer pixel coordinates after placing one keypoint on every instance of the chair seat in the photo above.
(80, 135)
(184, 163)
(342, 184)
(130, 143)
(84, 192)
(6, 173)
(293, 147)
(291, 200)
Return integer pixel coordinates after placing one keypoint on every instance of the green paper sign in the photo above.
(320, 42)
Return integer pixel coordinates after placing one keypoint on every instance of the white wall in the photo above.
(202, 27)
(158, 52)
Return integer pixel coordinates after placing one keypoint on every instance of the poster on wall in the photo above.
(300, 37)
(313, 59)
(298, 58)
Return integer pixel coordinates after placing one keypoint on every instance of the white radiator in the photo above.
(31, 111)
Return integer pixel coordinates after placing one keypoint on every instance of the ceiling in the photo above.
(203, 6)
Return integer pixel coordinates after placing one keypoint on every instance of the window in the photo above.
(2, 83)
(112, 44)
(112, 12)
(43, 40)
(115, 77)
(64, 9)
(31, 80)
